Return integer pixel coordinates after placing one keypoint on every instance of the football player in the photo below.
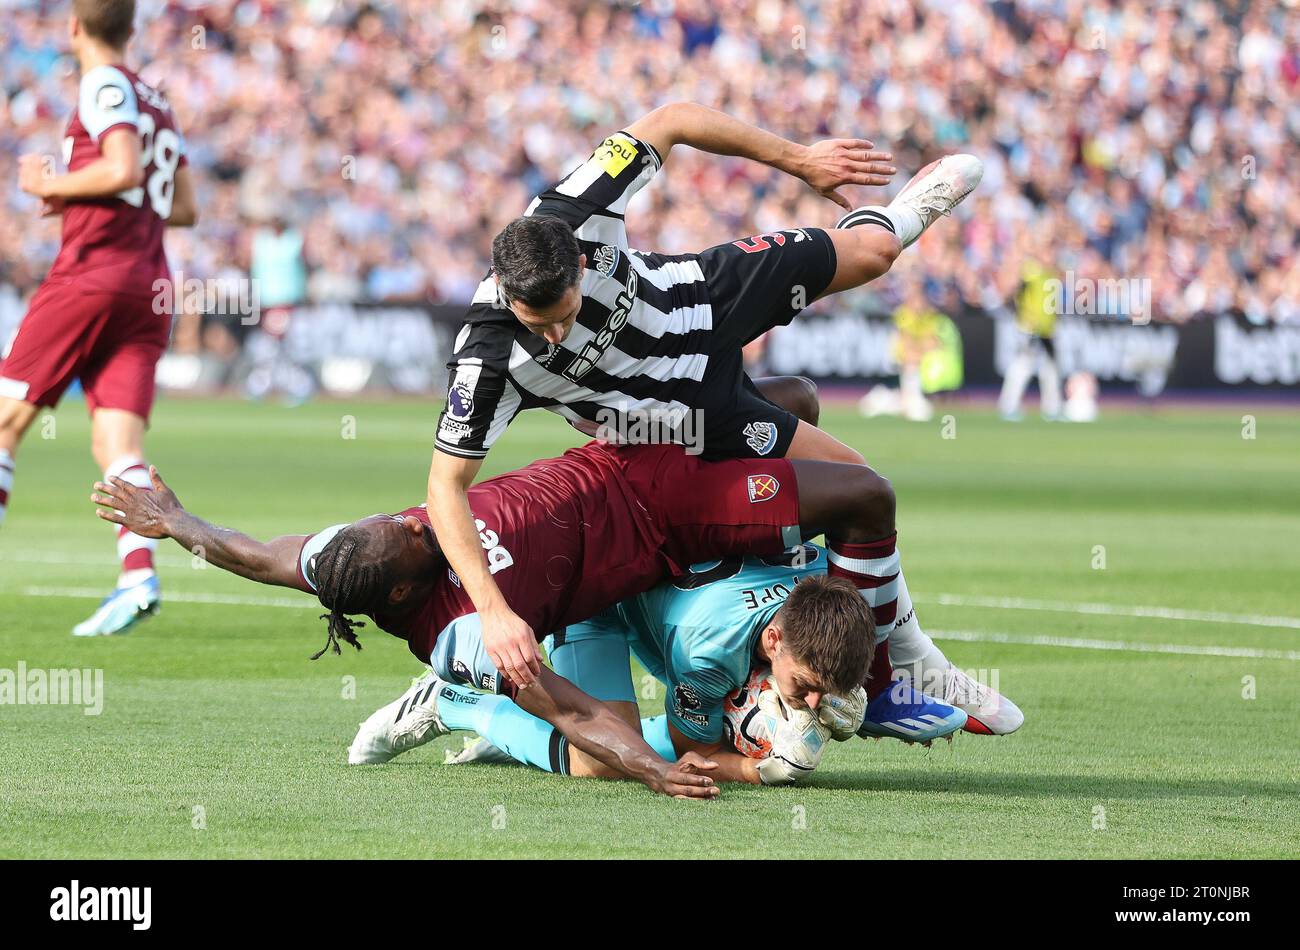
(103, 313)
(570, 319)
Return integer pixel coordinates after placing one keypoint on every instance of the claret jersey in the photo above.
(115, 244)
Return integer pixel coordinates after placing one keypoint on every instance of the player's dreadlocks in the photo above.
(351, 578)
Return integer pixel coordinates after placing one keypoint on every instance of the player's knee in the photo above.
(874, 498)
(803, 399)
(877, 250)
(16, 417)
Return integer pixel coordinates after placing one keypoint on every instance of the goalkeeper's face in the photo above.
(820, 641)
(800, 687)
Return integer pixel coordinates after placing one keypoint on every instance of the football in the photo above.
(748, 724)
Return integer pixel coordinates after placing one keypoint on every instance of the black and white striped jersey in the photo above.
(641, 342)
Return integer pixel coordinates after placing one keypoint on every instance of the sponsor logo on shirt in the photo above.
(761, 436)
(762, 488)
(615, 154)
(498, 557)
(595, 348)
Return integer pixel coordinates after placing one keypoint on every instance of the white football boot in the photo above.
(479, 750)
(988, 712)
(409, 721)
(938, 188)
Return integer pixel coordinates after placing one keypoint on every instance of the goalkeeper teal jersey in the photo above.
(697, 633)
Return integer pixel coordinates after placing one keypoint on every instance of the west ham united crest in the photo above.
(762, 488)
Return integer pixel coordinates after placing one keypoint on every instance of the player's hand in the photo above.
(797, 743)
(843, 715)
(511, 646)
(31, 175)
(51, 207)
(139, 510)
(686, 778)
(833, 163)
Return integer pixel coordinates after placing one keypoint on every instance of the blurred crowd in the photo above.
(374, 149)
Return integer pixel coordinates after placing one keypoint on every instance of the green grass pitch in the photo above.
(1027, 547)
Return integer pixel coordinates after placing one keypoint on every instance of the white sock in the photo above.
(129, 544)
(6, 481)
(912, 651)
(905, 223)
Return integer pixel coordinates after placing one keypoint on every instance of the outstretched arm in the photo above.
(159, 514)
(825, 165)
(597, 730)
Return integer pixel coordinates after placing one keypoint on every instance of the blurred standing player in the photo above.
(102, 314)
(1036, 308)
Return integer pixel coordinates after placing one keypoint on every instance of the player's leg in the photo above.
(595, 657)
(52, 344)
(855, 508)
(798, 395)
(1017, 378)
(16, 417)
(433, 707)
(119, 384)
(1049, 380)
(910, 651)
(868, 239)
(444, 700)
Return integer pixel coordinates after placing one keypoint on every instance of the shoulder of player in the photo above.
(107, 87)
(704, 651)
(144, 94)
(623, 139)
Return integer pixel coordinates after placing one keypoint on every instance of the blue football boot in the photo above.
(122, 609)
(902, 712)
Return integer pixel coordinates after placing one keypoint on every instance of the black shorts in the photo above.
(762, 282)
(755, 284)
(736, 419)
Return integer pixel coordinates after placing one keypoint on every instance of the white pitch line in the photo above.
(234, 600)
(971, 636)
(943, 600)
(92, 560)
(1108, 610)
(1079, 643)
